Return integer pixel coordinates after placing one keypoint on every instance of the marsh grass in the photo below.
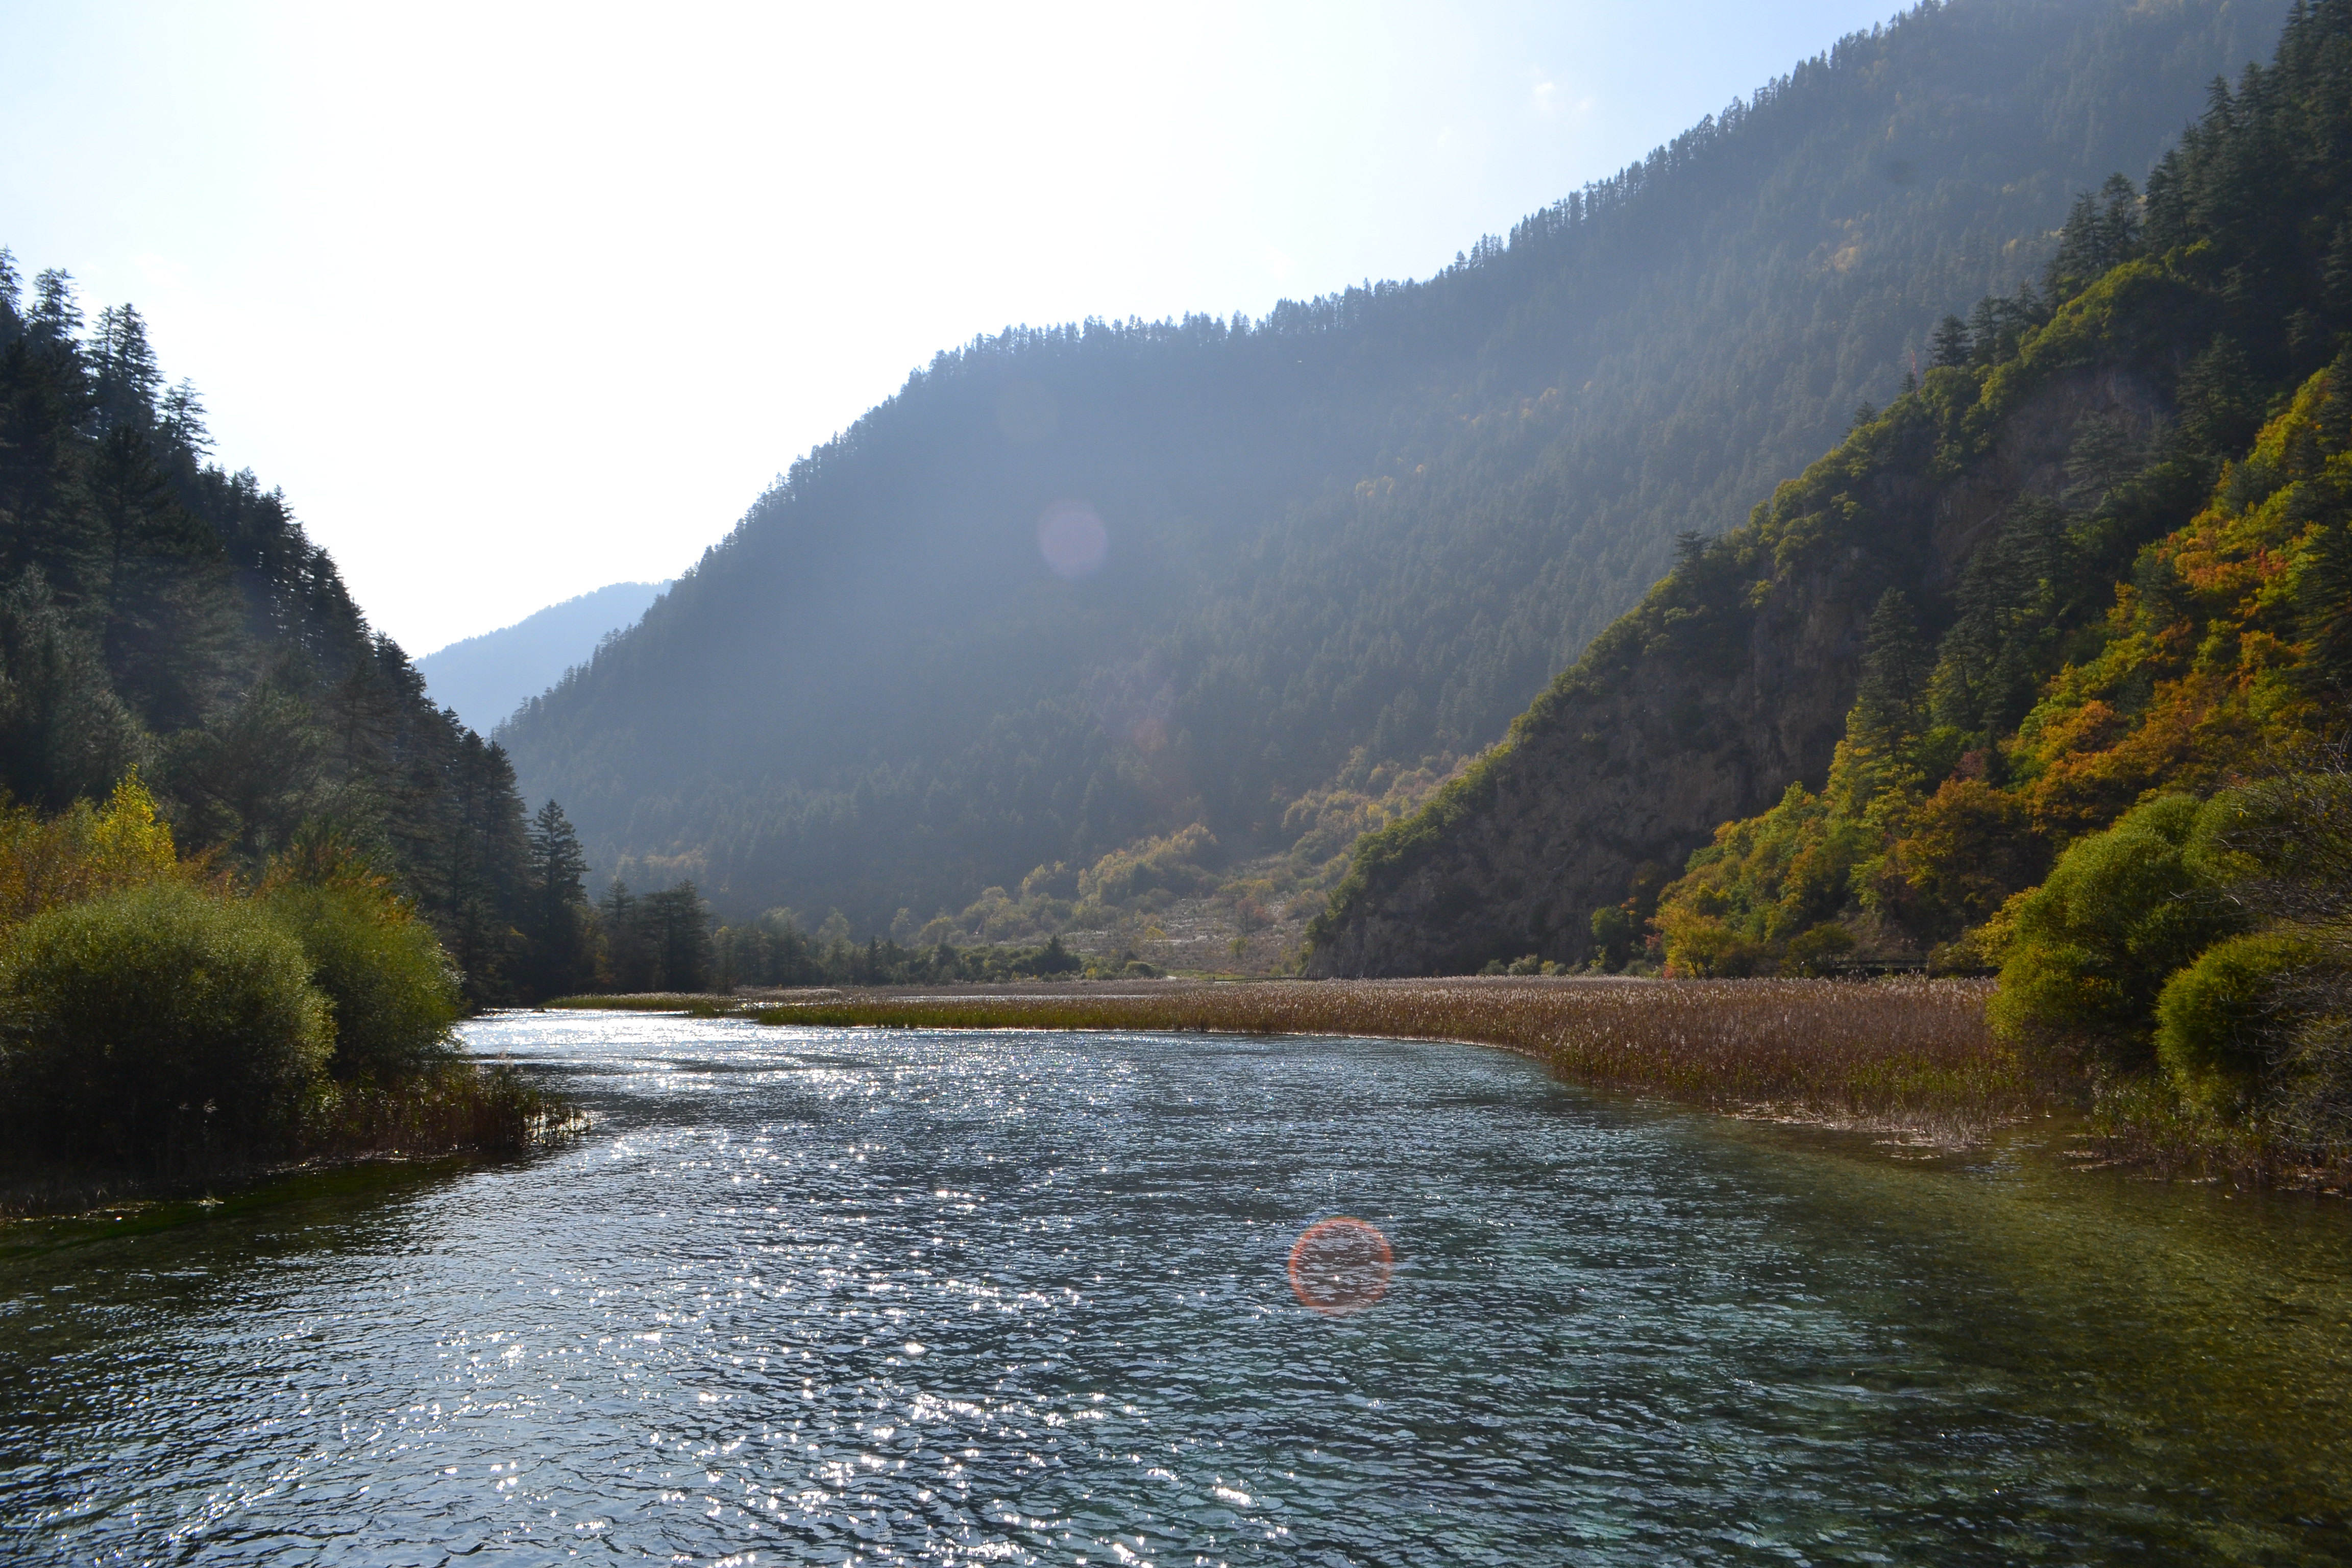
(693, 1003)
(2141, 1121)
(1910, 1055)
(458, 1107)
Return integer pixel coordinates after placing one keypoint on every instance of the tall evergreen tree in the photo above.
(558, 912)
(2323, 601)
(1890, 702)
(56, 314)
(1949, 343)
(124, 378)
(64, 734)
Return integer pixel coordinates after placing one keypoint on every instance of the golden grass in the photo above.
(1905, 1054)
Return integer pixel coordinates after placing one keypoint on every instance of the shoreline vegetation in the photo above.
(168, 1025)
(463, 1111)
(1906, 1056)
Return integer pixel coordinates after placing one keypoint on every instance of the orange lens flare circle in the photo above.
(1340, 1266)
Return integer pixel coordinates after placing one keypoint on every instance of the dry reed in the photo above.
(459, 1108)
(1907, 1054)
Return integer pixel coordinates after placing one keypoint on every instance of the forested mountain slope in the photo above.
(2051, 581)
(160, 615)
(1075, 586)
(486, 677)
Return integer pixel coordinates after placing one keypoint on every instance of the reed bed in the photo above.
(462, 1108)
(1909, 1055)
(694, 1003)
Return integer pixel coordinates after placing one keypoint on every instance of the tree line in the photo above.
(164, 618)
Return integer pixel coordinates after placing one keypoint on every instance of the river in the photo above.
(879, 1298)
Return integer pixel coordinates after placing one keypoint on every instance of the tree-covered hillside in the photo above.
(1077, 587)
(161, 617)
(2099, 557)
(486, 677)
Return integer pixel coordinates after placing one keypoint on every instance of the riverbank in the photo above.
(1910, 1056)
(462, 1111)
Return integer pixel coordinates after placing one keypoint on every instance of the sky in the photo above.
(514, 301)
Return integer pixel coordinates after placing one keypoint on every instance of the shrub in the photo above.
(84, 852)
(383, 971)
(160, 1027)
(1614, 931)
(1963, 851)
(1818, 952)
(1176, 864)
(2220, 1021)
(1699, 946)
(2091, 949)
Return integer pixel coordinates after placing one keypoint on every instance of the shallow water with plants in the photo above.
(836, 1296)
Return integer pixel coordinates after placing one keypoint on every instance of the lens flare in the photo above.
(1073, 540)
(1340, 1266)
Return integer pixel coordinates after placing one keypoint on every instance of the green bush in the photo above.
(1819, 951)
(2220, 1021)
(380, 969)
(2094, 945)
(161, 1028)
(1615, 933)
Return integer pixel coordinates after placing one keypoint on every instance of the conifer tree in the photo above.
(56, 315)
(123, 374)
(557, 912)
(1890, 703)
(2323, 600)
(1949, 345)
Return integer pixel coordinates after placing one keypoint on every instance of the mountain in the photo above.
(486, 677)
(1079, 587)
(2101, 552)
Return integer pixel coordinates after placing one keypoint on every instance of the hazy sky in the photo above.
(516, 301)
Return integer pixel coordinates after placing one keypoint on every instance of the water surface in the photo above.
(866, 1297)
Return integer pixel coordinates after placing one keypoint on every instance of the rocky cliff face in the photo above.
(1733, 679)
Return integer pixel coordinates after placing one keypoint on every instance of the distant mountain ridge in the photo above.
(1077, 586)
(486, 677)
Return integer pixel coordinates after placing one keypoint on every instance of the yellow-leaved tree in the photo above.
(83, 853)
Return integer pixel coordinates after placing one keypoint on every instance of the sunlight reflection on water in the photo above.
(882, 1298)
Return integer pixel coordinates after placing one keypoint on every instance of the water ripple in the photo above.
(1007, 1298)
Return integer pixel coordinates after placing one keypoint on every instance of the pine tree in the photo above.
(123, 374)
(56, 315)
(2101, 232)
(677, 939)
(1949, 346)
(1890, 703)
(1987, 328)
(556, 922)
(181, 421)
(626, 967)
(64, 734)
(170, 613)
(2322, 590)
